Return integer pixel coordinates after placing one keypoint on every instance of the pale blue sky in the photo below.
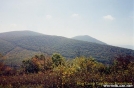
(110, 21)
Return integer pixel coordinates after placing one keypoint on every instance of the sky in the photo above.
(111, 21)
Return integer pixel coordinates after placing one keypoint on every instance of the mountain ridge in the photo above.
(15, 48)
(88, 39)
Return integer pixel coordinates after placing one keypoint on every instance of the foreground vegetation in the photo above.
(57, 72)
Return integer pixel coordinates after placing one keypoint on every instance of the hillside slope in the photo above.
(15, 48)
(88, 39)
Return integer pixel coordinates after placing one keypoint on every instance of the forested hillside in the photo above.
(16, 46)
(88, 39)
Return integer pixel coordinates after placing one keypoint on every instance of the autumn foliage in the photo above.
(57, 72)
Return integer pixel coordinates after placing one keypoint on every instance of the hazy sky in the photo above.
(111, 21)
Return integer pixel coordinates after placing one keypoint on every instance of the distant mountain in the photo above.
(88, 39)
(18, 45)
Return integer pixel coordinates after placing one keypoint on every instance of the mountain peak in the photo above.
(19, 34)
(17, 45)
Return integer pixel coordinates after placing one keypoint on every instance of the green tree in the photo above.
(58, 59)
